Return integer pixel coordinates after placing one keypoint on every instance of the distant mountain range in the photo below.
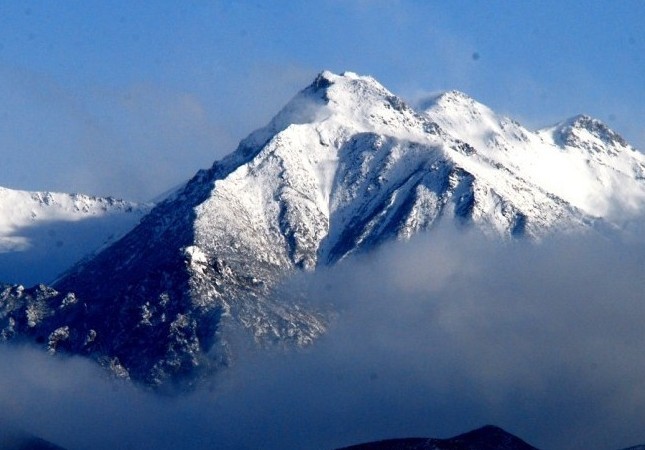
(488, 437)
(44, 233)
(344, 167)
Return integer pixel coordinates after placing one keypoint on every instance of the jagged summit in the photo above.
(327, 97)
(345, 166)
(580, 160)
(590, 133)
(457, 109)
(448, 99)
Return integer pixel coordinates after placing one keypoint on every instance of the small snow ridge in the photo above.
(444, 99)
(352, 75)
(195, 255)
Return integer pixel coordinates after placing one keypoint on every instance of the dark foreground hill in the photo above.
(488, 437)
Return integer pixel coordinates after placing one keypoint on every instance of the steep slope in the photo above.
(345, 166)
(44, 233)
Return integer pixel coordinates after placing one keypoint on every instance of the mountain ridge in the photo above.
(43, 233)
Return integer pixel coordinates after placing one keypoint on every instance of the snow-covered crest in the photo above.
(580, 160)
(43, 233)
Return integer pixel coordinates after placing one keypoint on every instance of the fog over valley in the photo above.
(432, 337)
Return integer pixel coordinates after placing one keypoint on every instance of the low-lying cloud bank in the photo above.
(433, 337)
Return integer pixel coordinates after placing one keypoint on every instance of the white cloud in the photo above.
(433, 338)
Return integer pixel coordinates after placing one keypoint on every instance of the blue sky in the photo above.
(130, 98)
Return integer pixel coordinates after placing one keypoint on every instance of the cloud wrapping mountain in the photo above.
(433, 337)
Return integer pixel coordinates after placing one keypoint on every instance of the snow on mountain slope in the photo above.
(580, 160)
(364, 169)
(44, 233)
(618, 169)
(345, 166)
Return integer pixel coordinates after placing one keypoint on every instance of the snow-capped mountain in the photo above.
(345, 166)
(44, 233)
(579, 160)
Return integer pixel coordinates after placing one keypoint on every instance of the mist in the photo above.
(431, 337)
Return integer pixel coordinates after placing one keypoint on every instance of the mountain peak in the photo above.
(454, 110)
(327, 78)
(347, 75)
(580, 128)
(455, 96)
(448, 99)
(347, 101)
